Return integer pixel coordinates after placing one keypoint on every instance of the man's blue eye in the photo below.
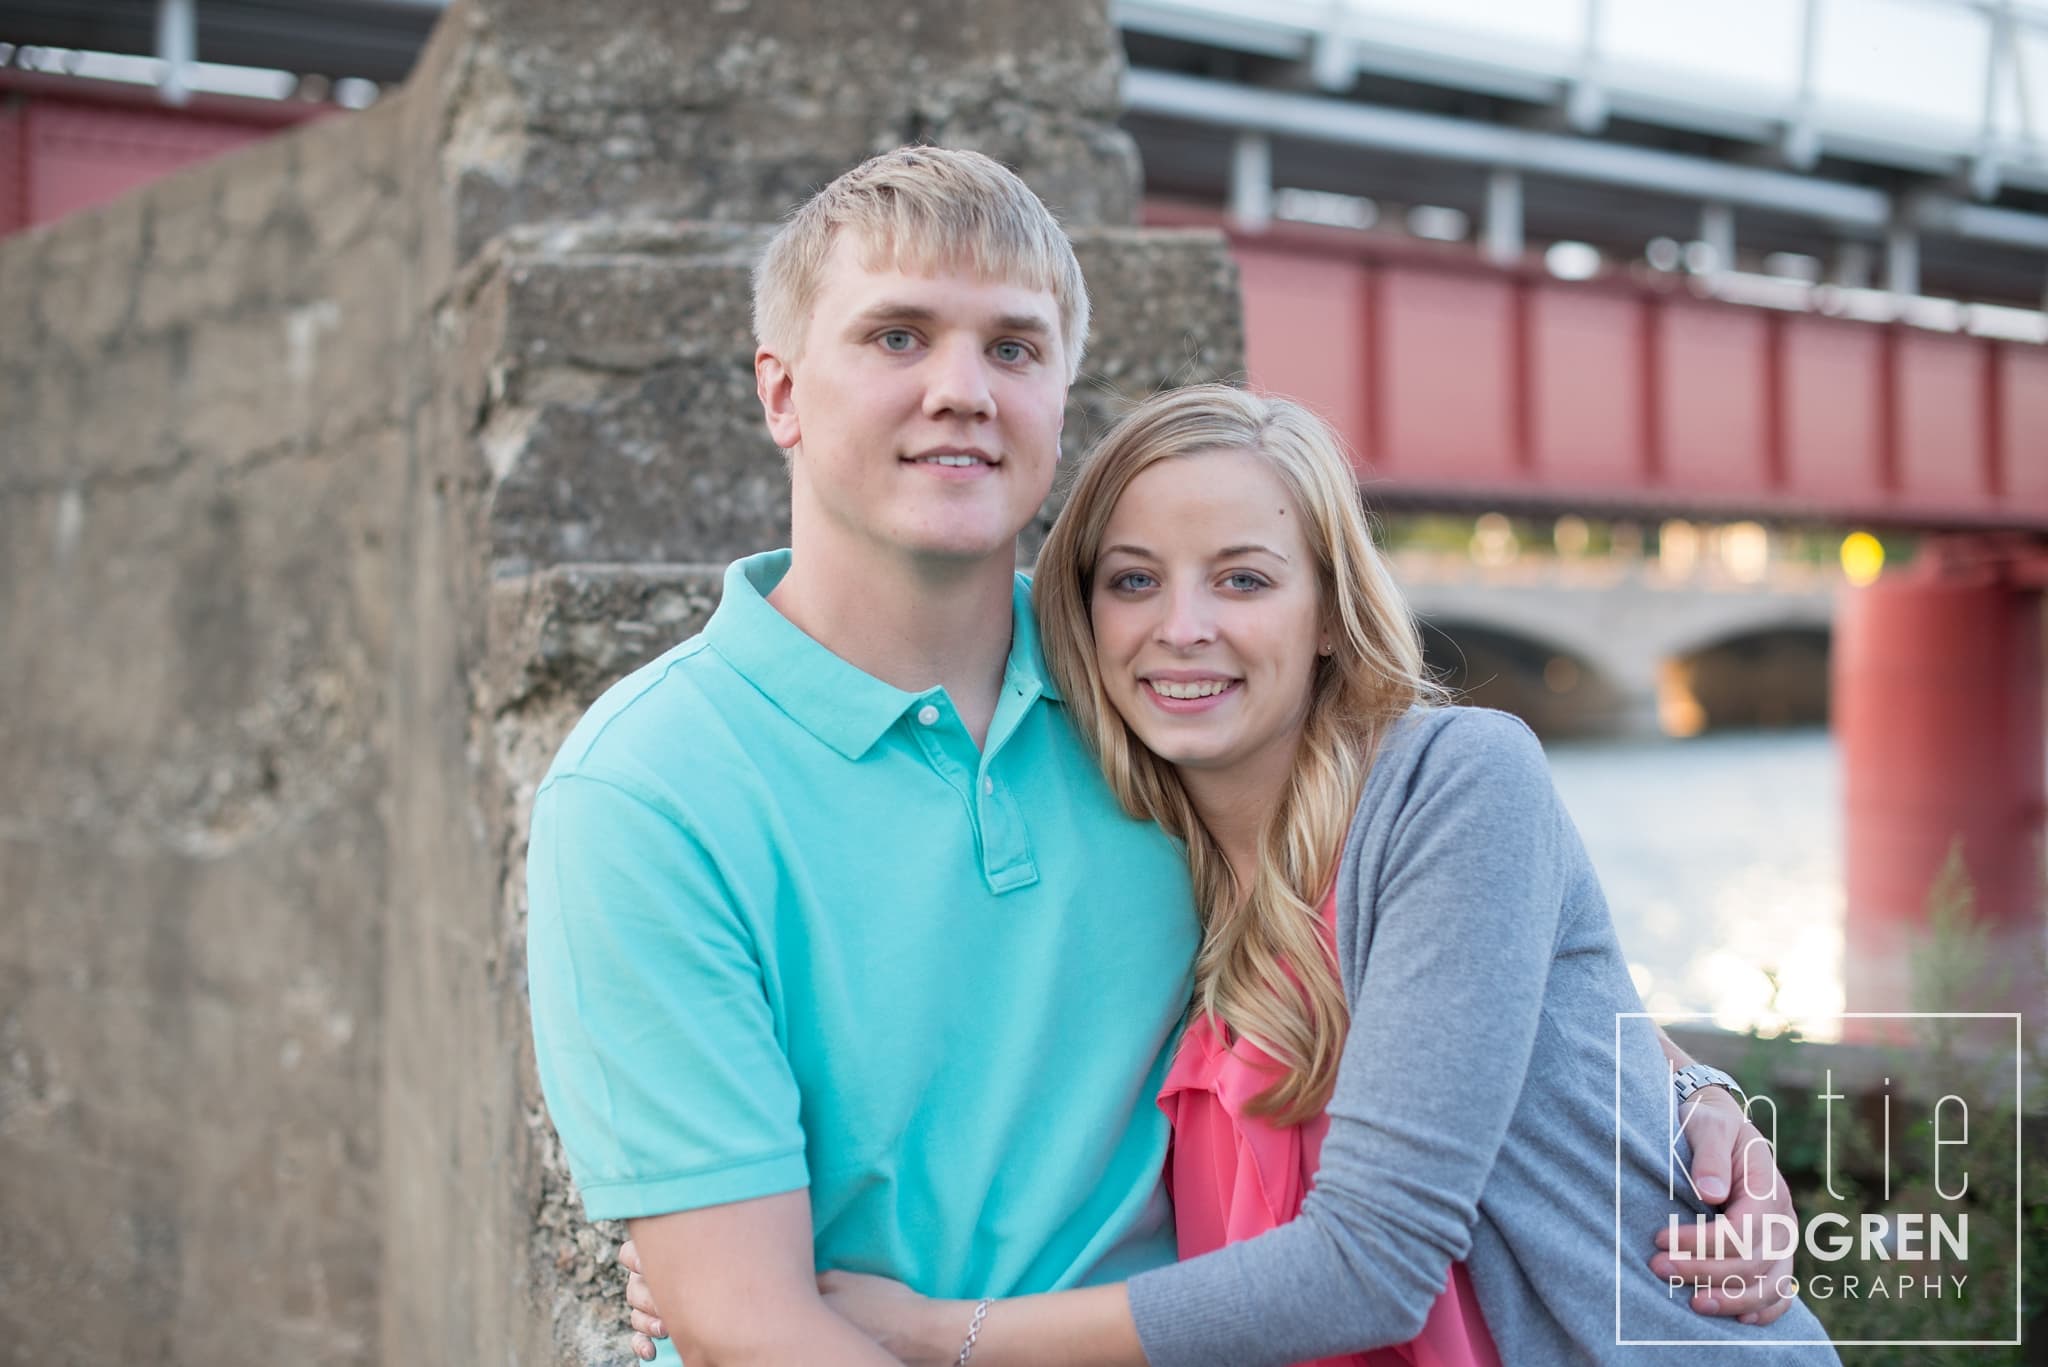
(1011, 352)
(897, 340)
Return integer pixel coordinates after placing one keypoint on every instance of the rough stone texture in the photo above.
(309, 455)
(734, 110)
(618, 418)
(570, 632)
(559, 637)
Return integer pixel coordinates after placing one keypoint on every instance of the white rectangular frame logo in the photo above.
(2019, 1174)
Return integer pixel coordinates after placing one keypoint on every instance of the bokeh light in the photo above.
(1862, 558)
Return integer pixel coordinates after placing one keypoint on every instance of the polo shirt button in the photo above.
(927, 715)
(988, 785)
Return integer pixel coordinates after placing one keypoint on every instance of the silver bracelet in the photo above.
(973, 1332)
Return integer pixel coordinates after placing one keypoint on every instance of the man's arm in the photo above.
(736, 1289)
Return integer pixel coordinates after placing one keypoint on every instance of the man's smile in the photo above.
(954, 458)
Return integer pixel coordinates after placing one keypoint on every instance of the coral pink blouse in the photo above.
(1234, 1175)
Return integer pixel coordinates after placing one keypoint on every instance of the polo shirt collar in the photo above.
(845, 707)
(1026, 667)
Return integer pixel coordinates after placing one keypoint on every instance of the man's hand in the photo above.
(1732, 1166)
(640, 1311)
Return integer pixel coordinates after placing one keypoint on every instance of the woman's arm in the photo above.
(1086, 1328)
(1091, 1327)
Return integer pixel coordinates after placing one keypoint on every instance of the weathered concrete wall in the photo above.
(337, 478)
(247, 833)
(203, 453)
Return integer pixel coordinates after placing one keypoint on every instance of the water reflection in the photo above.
(1722, 860)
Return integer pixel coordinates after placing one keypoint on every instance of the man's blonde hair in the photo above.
(922, 210)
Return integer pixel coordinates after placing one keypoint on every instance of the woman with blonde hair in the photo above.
(1412, 1109)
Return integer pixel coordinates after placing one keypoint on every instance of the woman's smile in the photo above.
(1190, 693)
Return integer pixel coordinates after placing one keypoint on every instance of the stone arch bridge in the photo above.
(1613, 646)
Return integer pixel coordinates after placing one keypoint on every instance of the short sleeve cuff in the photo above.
(634, 1199)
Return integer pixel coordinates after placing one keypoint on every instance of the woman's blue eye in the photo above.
(896, 339)
(1131, 579)
(1244, 581)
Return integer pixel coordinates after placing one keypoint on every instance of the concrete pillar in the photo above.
(177, 25)
(1717, 230)
(1503, 227)
(1251, 181)
(1901, 260)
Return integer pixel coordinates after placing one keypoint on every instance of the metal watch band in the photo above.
(1694, 1076)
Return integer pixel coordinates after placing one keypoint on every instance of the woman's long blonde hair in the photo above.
(1255, 932)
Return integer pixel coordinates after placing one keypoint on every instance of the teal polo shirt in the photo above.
(789, 927)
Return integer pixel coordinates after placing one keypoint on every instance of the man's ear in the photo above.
(776, 385)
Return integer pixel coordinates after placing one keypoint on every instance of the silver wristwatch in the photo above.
(1694, 1076)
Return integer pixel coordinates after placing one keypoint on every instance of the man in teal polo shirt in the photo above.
(840, 951)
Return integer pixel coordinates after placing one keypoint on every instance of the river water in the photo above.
(1722, 860)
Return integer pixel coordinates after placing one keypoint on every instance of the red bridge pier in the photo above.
(1939, 705)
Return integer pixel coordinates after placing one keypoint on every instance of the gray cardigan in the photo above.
(1475, 1112)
